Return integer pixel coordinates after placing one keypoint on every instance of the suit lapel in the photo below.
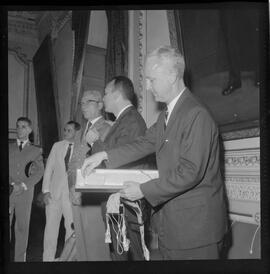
(99, 123)
(176, 113)
(82, 132)
(27, 145)
(64, 148)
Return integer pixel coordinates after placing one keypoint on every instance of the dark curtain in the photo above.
(117, 44)
(45, 93)
(80, 26)
(116, 62)
(177, 41)
(200, 37)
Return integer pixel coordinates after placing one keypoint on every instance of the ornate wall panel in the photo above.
(18, 87)
(242, 178)
(142, 54)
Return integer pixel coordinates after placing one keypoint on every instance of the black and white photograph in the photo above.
(135, 135)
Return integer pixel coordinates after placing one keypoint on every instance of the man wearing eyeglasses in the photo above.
(86, 212)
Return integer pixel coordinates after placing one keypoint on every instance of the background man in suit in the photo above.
(188, 197)
(88, 224)
(25, 170)
(129, 124)
(56, 192)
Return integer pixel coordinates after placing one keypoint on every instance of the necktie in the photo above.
(88, 153)
(166, 117)
(88, 126)
(68, 155)
(20, 146)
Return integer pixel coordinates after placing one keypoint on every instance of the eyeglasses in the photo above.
(88, 102)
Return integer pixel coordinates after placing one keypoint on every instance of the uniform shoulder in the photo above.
(36, 147)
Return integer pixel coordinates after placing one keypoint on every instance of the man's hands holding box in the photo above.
(117, 179)
(92, 162)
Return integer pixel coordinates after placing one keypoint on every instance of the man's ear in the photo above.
(173, 76)
(29, 130)
(100, 105)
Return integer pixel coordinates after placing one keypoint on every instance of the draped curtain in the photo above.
(204, 44)
(117, 44)
(80, 26)
(177, 41)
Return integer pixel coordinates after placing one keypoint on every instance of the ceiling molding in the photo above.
(22, 27)
(59, 22)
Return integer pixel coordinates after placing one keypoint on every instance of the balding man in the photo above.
(188, 196)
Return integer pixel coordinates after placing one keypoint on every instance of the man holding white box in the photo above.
(188, 197)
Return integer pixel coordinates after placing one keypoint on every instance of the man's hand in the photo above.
(91, 136)
(92, 162)
(46, 198)
(18, 188)
(131, 191)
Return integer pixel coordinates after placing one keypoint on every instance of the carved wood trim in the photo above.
(22, 59)
(242, 179)
(59, 23)
(142, 53)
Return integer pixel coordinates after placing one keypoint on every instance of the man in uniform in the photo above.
(25, 170)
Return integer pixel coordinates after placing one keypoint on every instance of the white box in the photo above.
(111, 180)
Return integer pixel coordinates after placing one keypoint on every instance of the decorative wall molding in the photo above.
(19, 54)
(22, 27)
(242, 162)
(59, 22)
(18, 90)
(243, 188)
(172, 29)
(142, 53)
(242, 179)
(240, 134)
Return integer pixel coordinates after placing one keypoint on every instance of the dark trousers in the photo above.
(135, 252)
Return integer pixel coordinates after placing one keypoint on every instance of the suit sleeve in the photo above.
(38, 170)
(104, 131)
(49, 170)
(139, 148)
(196, 149)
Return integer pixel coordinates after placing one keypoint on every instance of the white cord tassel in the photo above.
(253, 238)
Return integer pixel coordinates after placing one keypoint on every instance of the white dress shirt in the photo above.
(172, 104)
(122, 110)
(23, 144)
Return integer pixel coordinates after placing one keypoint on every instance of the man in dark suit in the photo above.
(129, 124)
(25, 170)
(188, 196)
(88, 224)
